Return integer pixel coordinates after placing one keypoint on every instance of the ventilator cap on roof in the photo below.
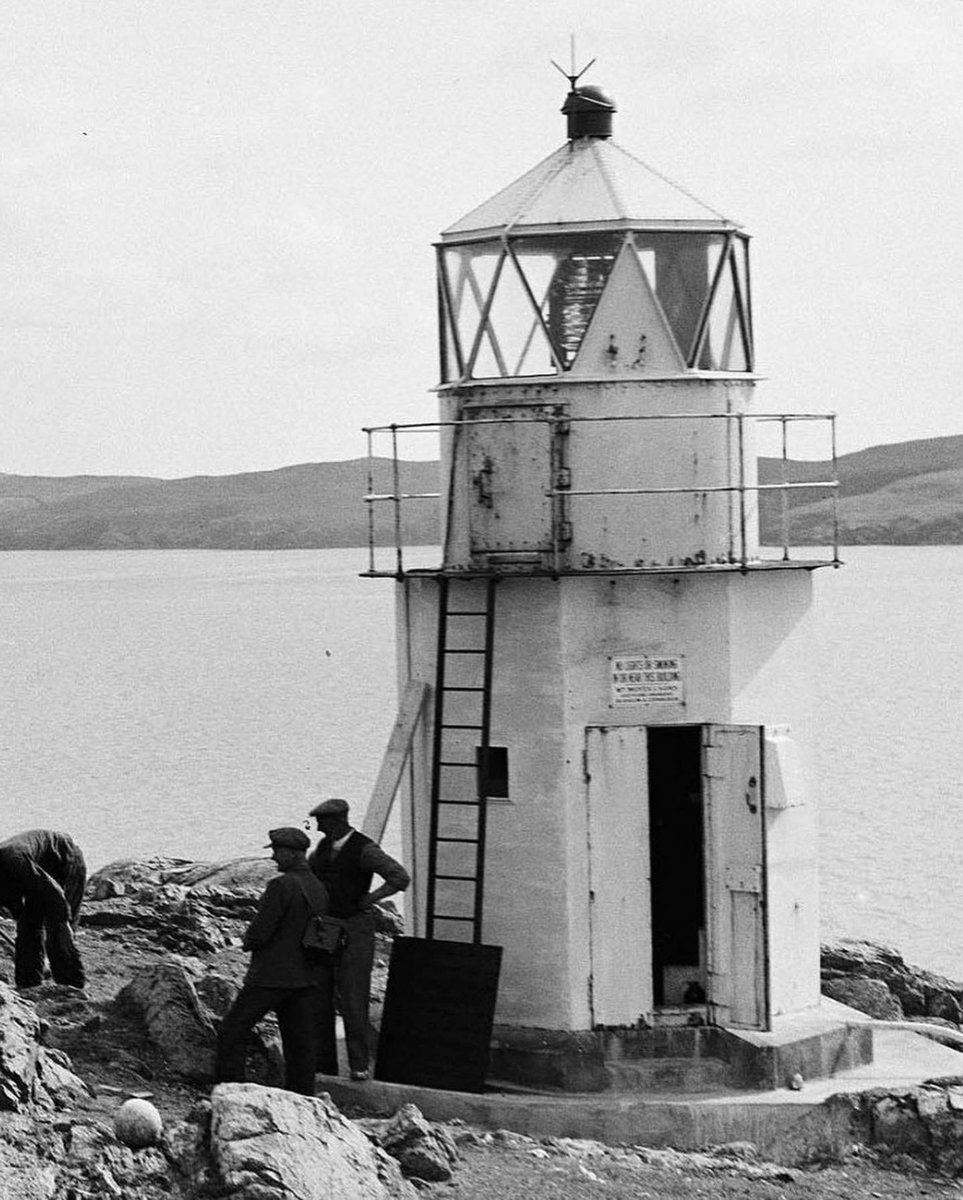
(589, 112)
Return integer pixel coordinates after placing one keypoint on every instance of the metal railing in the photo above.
(561, 422)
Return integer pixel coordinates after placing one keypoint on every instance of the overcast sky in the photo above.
(217, 215)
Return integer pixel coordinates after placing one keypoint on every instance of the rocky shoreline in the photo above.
(161, 943)
(877, 981)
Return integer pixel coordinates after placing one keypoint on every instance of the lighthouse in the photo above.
(608, 684)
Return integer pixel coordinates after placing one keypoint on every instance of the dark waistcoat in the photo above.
(342, 874)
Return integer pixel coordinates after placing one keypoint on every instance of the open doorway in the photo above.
(677, 865)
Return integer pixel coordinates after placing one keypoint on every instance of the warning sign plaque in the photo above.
(646, 678)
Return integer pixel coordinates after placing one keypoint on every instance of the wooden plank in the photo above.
(393, 763)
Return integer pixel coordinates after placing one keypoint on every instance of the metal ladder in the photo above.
(456, 840)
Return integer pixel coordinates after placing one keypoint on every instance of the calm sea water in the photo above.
(181, 703)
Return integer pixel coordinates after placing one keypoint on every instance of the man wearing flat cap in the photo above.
(346, 861)
(281, 978)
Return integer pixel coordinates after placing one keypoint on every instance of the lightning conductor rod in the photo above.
(572, 76)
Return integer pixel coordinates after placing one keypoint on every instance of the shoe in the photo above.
(360, 1076)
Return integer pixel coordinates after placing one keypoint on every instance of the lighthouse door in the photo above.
(510, 470)
(620, 969)
(735, 853)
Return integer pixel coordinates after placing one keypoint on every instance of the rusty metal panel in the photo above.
(510, 468)
(734, 816)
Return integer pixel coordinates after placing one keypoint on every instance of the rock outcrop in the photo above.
(250, 1142)
(94, 1163)
(30, 1076)
(175, 1019)
(180, 1006)
(424, 1150)
(193, 908)
(878, 981)
(923, 1124)
(267, 1143)
(188, 908)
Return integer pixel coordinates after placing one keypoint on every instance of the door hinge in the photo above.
(744, 879)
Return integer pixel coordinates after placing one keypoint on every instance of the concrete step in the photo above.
(814, 1044)
(647, 1075)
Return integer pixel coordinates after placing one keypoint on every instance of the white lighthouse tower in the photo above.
(610, 777)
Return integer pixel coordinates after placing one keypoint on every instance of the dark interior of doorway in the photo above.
(677, 864)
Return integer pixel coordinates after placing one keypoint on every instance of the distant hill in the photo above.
(905, 493)
(307, 506)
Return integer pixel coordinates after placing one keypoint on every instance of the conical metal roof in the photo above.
(592, 183)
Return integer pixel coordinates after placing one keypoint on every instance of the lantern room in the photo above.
(522, 276)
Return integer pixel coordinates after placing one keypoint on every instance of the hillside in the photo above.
(307, 506)
(905, 493)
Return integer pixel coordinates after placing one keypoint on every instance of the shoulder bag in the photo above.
(322, 934)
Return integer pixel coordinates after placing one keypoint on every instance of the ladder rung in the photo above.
(449, 737)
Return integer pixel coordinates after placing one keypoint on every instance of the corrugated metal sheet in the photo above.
(588, 181)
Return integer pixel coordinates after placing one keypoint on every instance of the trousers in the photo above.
(37, 936)
(353, 961)
(296, 1011)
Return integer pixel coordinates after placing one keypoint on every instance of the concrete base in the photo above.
(813, 1044)
(786, 1125)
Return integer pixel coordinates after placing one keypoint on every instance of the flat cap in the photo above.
(335, 807)
(287, 835)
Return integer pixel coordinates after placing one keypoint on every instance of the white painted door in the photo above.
(734, 814)
(620, 924)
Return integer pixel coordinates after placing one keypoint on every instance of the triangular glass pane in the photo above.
(628, 331)
(566, 275)
(713, 252)
(740, 266)
(518, 328)
(646, 255)
(682, 278)
(488, 364)
(471, 270)
(724, 347)
(452, 351)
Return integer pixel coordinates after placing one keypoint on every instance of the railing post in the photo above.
(742, 490)
(554, 466)
(371, 516)
(832, 427)
(784, 494)
(396, 484)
